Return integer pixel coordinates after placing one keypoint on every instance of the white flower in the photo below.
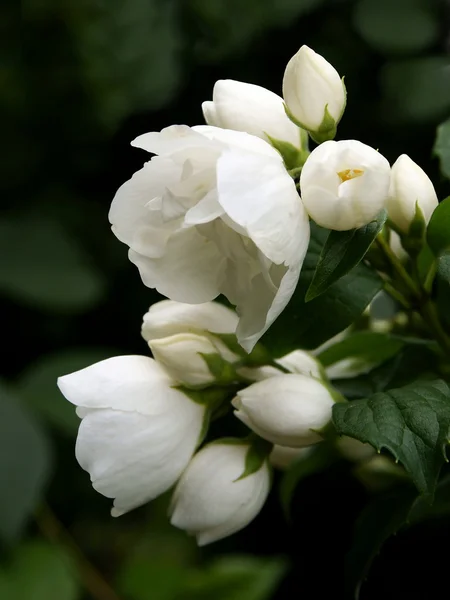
(409, 184)
(215, 213)
(283, 457)
(311, 85)
(211, 500)
(251, 108)
(344, 184)
(137, 432)
(288, 410)
(182, 357)
(180, 334)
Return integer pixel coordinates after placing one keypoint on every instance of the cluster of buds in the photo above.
(143, 419)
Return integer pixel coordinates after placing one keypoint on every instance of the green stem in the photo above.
(397, 266)
(55, 532)
(390, 289)
(425, 305)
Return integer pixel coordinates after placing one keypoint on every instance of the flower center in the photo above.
(350, 174)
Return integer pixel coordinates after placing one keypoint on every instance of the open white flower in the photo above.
(409, 185)
(344, 184)
(137, 432)
(215, 213)
(212, 500)
(288, 410)
(251, 108)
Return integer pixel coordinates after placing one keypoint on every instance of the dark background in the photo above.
(80, 82)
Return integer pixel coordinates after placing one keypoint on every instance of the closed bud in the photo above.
(345, 184)
(214, 497)
(410, 185)
(187, 339)
(250, 108)
(314, 93)
(193, 360)
(168, 317)
(289, 410)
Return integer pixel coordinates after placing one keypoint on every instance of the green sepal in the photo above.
(327, 129)
(414, 241)
(293, 157)
(211, 397)
(257, 453)
(258, 356)
(222, 370)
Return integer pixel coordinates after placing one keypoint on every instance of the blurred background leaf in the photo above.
(24, 465)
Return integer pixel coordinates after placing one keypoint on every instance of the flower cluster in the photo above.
(143, 419)
(224, 209)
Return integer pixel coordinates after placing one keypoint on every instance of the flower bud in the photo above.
(301, 362)
(250, 108)
(168, 317)
(282, 457)
(409, 185)
(289, 410)
(214, 498)
(344, 184)
(192, 360)
(314, 93)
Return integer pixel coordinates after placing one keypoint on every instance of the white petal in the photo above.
(128, 383)
(205, 211)
(171, 140)
(129, 214)
(169, 318)
(133, 457)
(260, 309)
(189, 271)
(210, 114)
(261, 197)
(237, 140)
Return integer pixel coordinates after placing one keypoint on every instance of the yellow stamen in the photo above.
(350, 174)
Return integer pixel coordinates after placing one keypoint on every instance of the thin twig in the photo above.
(55, 532)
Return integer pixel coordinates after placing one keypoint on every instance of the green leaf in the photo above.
(40, 571)
(343, 250)
(310, 325)
(443, 286)
(412, 25)
(45, 267)
(24, 465)
(367, 347)
(442, 147)
(37, 385)
(319, 459)
(438, 230)
(423, 510)
(379, 520)
(236, 578)
(412, 422)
